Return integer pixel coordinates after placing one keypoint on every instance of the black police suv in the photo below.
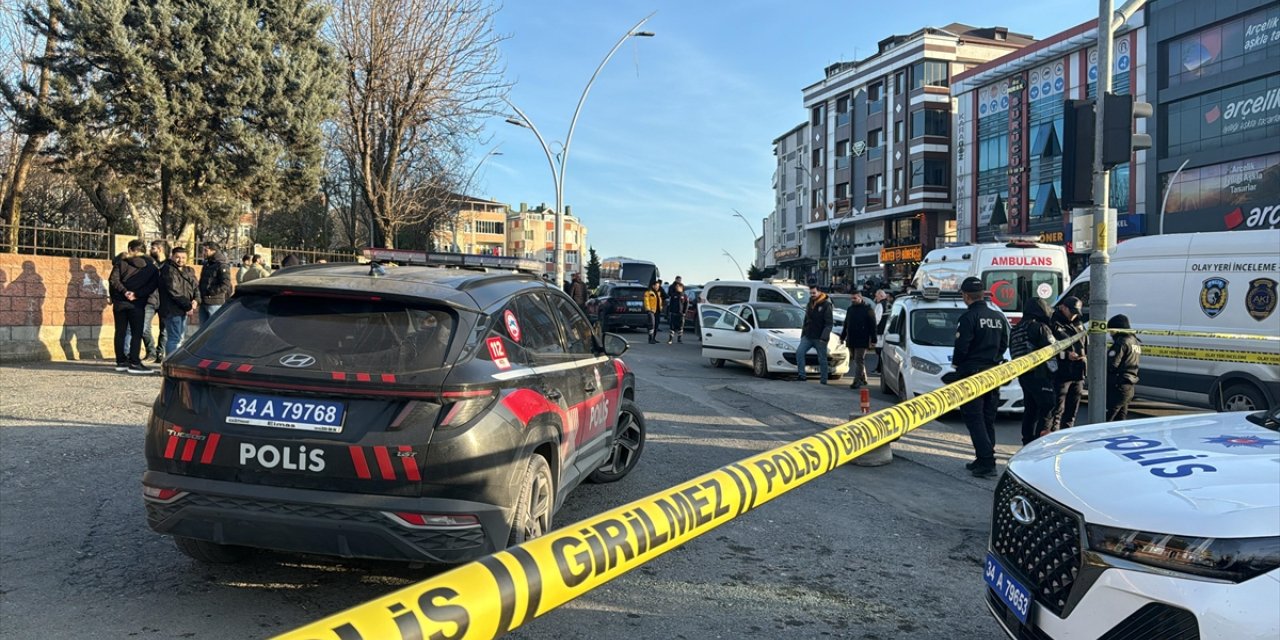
(619, 304)
(409, 413)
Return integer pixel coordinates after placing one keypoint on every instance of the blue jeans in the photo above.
(175, 329)
(803, 351)
(207, 311)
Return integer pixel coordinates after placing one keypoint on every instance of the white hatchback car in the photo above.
(1154, 528)
(764, 336)
(918, 342)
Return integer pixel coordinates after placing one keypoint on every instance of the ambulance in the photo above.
(1014, 273)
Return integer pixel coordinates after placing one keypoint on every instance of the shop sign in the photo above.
(1052, 237)
(787, 253)
(912, 253)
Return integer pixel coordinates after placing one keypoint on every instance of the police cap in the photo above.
(1072, 303)
(971, 285)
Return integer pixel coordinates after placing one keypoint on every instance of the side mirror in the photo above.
(615, 345)
(741, 327)
(892, 338)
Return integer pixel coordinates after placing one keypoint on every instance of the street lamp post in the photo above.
(754, 237)
(557, 172)
(735, 263)
(467, 187)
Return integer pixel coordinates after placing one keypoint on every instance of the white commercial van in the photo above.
(1013, 272)
(1222, 282)
(727, 292)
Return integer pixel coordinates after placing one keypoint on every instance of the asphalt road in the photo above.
(865, 553)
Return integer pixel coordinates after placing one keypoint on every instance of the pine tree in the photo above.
(205, 108)
(593, 269)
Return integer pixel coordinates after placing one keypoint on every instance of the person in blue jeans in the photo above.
(815, 333)
(179, 295)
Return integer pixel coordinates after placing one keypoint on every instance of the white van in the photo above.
(1013, 272)
(727, 292)
(1223, 282)
(918, 342)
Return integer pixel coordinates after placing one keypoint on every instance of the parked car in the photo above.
(419, 414)
(918, 342)
(1154, 528)
(839, 307)
(763, 336)
(618, 305)
(726, 292)
(691, 317)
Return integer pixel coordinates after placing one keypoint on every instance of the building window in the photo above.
(897, 180)
(899, 130)
(875, 185)
(488, 226)
(875, 138)
(931, 73)
(819, 116)
(842, 190)
(930, 122)
(875, 98)
(899, 83)
(817, 158)
(842, 154)
(928, 173)
(1221, 188)
(1222, 47)
(1222, 118)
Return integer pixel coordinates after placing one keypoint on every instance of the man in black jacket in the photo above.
(1068, 380)
(153, 344)
(982, 336)
(179, 295)
(215, 281)
(818, 322)
(677, 306)
(860, 334)
(133, 279)
(1031, 334)
(1122, 368)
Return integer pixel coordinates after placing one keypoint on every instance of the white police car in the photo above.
(1154, 528)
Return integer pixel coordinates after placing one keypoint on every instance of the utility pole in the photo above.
(1104, 217)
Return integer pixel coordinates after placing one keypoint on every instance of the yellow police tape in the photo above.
(501, 592)
(1212, 355)
(1191, 334)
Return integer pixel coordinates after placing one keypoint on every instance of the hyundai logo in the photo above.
(1022, 510)
(297, 360)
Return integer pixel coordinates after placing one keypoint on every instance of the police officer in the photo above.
(982, 336)
(1122, 368)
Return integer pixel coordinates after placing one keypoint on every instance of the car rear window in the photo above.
(728, 294)
(627, 293)
(342, 334)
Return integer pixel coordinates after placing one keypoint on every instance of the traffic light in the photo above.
(1078, 122)
(1118, 140)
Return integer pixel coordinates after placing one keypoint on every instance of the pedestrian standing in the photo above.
(859, 334)
(1068, 380)
(254, 271)
(133, 278)
(1033, 333)
(179, 297)
(818, 322)
(883, 302)
(982, 336)
(577, 290)
(153, 343)
(653, 308)
(677, 306)
(215, 281)
(1122, 368)
(246, 261)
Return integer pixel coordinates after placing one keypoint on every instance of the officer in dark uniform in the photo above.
(1122, 368)
(982, 336)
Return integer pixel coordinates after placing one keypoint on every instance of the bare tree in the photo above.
(420, 76)
(24, 83)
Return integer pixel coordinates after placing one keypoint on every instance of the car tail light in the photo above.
(433, 520)
(462, 411)
(161, 494)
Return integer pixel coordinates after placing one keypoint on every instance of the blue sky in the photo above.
(677, 130)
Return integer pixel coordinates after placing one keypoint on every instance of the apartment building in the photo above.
(478, 227)
(878, 169)
(784, 228)
(531, 235)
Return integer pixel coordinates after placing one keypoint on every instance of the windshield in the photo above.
(341, 334)
(1011, 289)
(801, 294)
(840, 301)
(639, 272)
(935, 327)
(627, 293)
(779, 318)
